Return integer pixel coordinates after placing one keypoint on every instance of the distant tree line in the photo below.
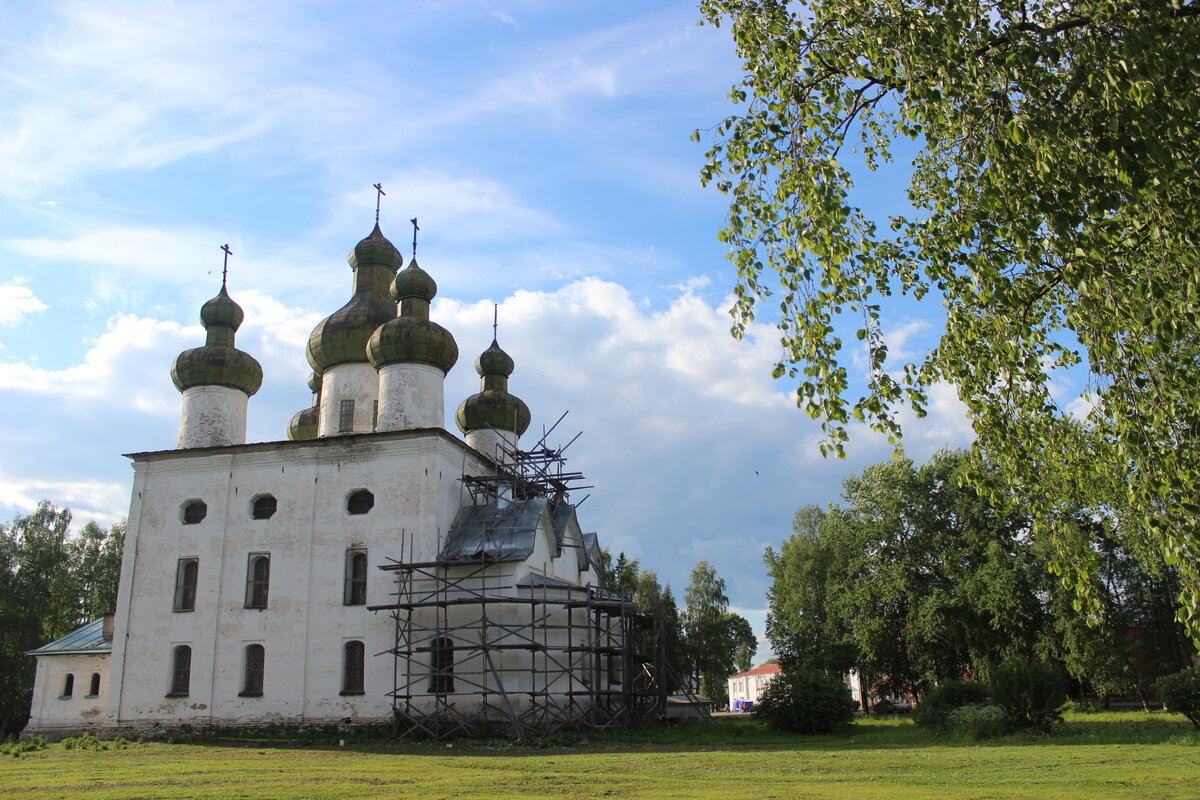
(919, 579)
(51, 582)
(705, 639)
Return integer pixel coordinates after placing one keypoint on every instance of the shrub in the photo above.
(84, 741)
(977, 721)
(805, 701)
(1031, 693)
(1180, 693)
(935, 710)
(16, 748)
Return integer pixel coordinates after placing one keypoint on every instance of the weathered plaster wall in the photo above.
(52, 713)
(212, 416)
(411, 396)
(414, 480)
(358, 382)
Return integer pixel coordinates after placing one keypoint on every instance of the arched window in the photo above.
(252, 676)
(441, 663)
(194, 511)
(185, 584)
(68, 685)
(355, 593)
(181, 671)
(360, 502)
(353, 668)
(94, 689)
(258, 580)
(264, 506)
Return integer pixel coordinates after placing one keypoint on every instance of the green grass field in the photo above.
(1127, 755)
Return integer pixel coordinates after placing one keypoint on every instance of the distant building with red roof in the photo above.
(745, 688)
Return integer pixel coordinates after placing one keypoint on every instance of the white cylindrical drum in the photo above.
(212, 416)
(411, 396)
(493, 443)
(348, 395)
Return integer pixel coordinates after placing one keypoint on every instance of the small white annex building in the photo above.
(746, 688)
(372, 568)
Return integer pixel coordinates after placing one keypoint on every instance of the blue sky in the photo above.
(545, 148)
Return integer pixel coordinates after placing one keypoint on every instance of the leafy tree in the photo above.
(745, 643)
(50, 583)
(915, 582)
(1138, 638)
(801, 624)
(1054, 214)
(710, 632)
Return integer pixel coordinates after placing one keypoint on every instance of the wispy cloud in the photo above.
(16, 302)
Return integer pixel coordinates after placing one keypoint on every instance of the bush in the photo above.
(84, 741)
(16, 748)
(935, 710)
(977, 721)
(1180, 693)
(805, 701)
(1031, 693)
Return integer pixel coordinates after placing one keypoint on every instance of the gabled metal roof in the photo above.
(88, 639)
(503, 533)
(537, 580)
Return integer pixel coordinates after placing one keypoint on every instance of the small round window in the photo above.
(360, 502)
(264, 506)
(194, 511)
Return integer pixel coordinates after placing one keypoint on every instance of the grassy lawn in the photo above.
(1126, 755)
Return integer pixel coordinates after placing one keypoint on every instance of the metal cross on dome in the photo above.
(380, 193)
(416, 228)
(225, 268)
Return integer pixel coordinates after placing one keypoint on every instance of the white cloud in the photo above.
(101, 501)
(16, 302)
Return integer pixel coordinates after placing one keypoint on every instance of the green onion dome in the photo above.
(493, 407)
(412, 337)
(304, 425)
(218, 362)
(341, 338)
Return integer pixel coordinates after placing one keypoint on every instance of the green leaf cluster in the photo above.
(1055, 210)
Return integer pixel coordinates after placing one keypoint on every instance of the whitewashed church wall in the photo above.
(306, 622)
(51, 711)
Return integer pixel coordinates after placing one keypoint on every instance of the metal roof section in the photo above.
(595, 557)
(88, 639)
(497, 531)
(537, 580)
(567, 532)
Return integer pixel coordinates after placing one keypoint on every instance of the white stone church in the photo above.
(372, 568)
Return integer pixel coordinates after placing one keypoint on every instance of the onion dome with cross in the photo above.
(218, 362)
(493, 406)
(341, 337)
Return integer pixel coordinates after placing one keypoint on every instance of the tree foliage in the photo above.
(920, 580)
(913, 582)
(714, 637)
(625, 576)
(1055, 210)
(50, 583)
